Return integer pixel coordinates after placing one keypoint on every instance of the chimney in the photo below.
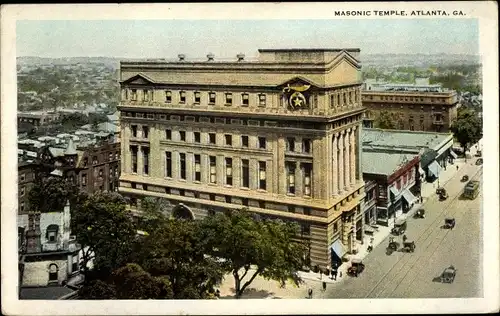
(210, 57)
(181, 57)
(241, 57)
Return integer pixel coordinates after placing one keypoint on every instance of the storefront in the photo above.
(337, 252)
(408, 200)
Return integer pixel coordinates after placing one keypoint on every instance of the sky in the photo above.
(226, 38)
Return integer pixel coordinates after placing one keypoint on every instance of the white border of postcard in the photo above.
(485, 12)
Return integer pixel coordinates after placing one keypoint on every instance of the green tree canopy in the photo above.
(50, 194)
(155, 211)
(105, 230)
(385, 121)
(249, 244)
(174, 250)
(467, 128)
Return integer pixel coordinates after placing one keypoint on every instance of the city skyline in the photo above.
(226, 38)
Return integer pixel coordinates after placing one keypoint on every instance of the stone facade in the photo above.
(414, 111)
(279, 136)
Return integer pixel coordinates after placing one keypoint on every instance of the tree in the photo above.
(248, 243)
(50, 194)
(174, 250)
(127, 282)
(385, 121)
(154, 212)
(106, 232)
(467, 128)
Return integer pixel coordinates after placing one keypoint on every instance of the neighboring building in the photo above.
(392, 177)
(434, 149)
(26, 179)
(411, 107)
(49, 254)
(37, 118)
(279, 136)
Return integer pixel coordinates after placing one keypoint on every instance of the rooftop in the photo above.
(384, 163)
(411, 140)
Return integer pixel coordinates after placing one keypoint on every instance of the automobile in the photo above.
(393, 245)
(465, 178)
(357, 266)
(440, 190)
(443, 195)
(478, 153)
(409, 246)
(399, 227)
(449, 223)
(479, 161)
(448, 275)
(420, 213)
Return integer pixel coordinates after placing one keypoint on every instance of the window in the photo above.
(53, 271)
(290, 144)
(244, 141)
(245, 173)
(145, 132)
(110, 172)
(229, 98)
(307, 211)
(305, 229)
(22, 191)
(182, 161)
(84, 179)
(116, 171)
(211, 138)
(262, 142)
(110, 156)
(229, 171)
(100, 173)
(182, 136)
(244, 99)
(134, 95)
(306, 146)
(134, 130)
(52, 231)
(211, 98)
(229, 140)
(22, 177)
(145, 95)
(22, 206)
(197, 167)
(262, 100)
(133, 151)
(168, 96)
(307, 178)
(168, 164)
(182, 97)
(197, 97)
(145, 158)
(335, 227)
(168, 134)
(262, 175)
(290, 169)
(213, 169)
(197, 137)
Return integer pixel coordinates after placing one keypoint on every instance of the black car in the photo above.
(479, 161)
(465, 178)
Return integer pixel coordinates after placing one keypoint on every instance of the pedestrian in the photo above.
(340, 274)
(217, 293)
(457, 167)
(334, 274)
(324, 286)
(321, 274)
(310, 292)
(404, 238)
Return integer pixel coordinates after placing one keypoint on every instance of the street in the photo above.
(414, 275)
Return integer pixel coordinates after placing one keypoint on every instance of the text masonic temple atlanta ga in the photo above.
(279, 135)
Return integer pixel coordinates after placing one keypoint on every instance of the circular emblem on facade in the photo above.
(297, 100)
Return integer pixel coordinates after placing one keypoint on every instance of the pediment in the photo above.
(298, 84)
(139, 79)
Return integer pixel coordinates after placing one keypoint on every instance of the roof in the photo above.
(56, 151)
(44, 293)
(71, 148)
(413, 140)
(384, 163)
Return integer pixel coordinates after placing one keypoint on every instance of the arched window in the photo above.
(52, 231)
(53, 272)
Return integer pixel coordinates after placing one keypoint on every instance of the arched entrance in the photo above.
(181, 211)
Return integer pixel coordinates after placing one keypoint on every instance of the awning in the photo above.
(338, 248)
(434, 169)
(409, 197)
(421, 171)
(452, 153)
(394, 190)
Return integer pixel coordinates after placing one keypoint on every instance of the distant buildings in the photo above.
(414, 107)
(37, 118)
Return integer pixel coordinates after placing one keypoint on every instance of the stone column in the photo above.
(236, 172)
(335, 167)
(140, 162)
(347, 162)
(190, 167)
(254, 172)
(299, 180)
(280, 172)
(341, 162)
(125, 151)
(175, 165)
(221, 170)
(353, 156)
(205, 168)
